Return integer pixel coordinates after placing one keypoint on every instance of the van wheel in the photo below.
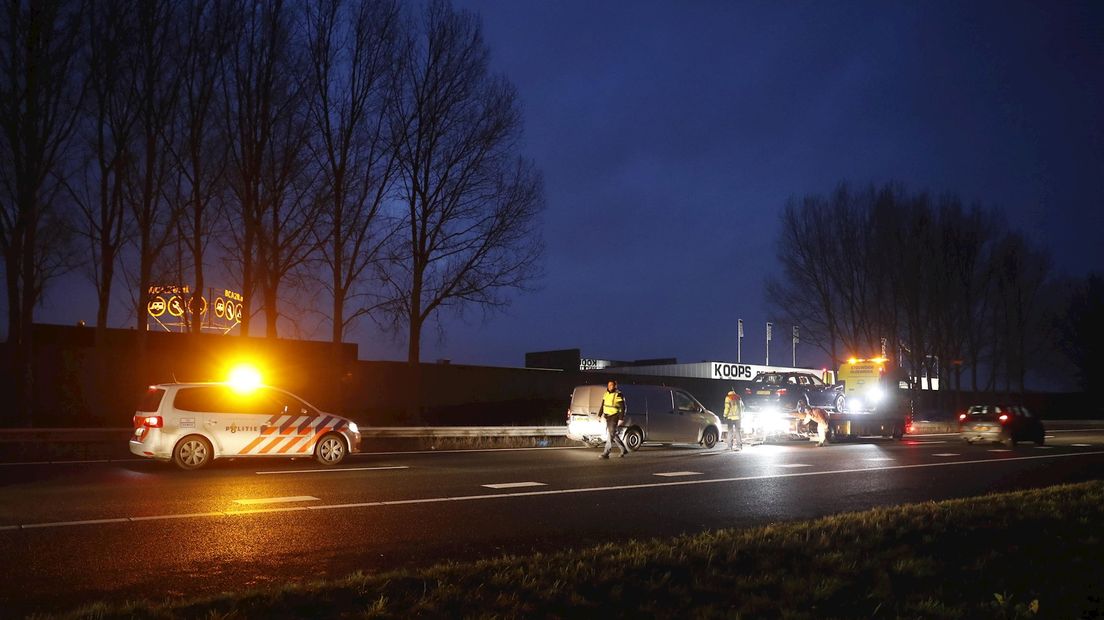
(709, 438)
(331, 450)
(192, 452)
(633, 438)
(898, 433)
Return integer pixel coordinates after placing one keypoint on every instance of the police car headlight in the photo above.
(353, 427)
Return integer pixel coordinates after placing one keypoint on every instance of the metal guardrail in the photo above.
(95, 435)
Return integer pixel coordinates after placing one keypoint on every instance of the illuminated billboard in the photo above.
(174, 308)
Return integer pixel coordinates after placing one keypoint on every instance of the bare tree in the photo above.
(471, 204)
(938, 281)
(353, 54)
(39, 99)
(266, 106)
(199, 146)
(162, 51)
(109, 117)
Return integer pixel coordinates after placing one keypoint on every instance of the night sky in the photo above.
(671, 135)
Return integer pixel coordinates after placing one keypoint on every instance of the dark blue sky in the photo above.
(670, 135)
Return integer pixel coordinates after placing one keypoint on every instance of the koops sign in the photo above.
(723, 370)
(746, 372)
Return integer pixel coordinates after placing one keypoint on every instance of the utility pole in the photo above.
(795, 341)
(739, 339)
(767, 363)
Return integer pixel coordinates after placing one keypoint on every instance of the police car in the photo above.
(191, 424)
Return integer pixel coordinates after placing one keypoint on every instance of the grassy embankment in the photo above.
(1028, 554)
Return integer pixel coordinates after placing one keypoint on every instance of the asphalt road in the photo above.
(81, 532)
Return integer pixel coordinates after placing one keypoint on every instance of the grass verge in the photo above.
(1028, 554)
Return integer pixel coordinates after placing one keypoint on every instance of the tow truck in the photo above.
(874, 403)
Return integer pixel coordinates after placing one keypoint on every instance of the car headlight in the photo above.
(855, 404)
(875, 395)
(353, 427)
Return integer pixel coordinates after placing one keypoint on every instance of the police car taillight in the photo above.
(1003, 417)
(148, 421)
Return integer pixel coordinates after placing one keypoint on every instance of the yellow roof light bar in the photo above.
(244, 378)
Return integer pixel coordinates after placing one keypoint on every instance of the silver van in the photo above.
(655, 414)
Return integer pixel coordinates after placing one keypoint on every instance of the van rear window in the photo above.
(151, 400)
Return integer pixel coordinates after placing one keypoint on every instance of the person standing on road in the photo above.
(613, 408)
(820, 416)
(733, 407)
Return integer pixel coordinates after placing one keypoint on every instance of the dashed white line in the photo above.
(1081, 445)
(673, 483)
(675, 474)
(276, 500)
(999, 450)
(794, 465)
(947, 454)
(514, 485)
(1044, 447)
(323, 471)
(881, 458)
(85, 522)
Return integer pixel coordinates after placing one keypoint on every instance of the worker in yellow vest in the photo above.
(613, 410)
(733, 407)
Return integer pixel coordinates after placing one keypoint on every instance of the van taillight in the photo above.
(747, 390)
(781, 391)
(962, 417)
(1003, 417)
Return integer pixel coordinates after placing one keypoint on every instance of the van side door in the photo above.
(688, 418)
(661, 416)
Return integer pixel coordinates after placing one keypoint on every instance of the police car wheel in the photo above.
(331, 450)
(192, 452)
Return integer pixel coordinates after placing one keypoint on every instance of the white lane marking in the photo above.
(946, 454)
(323, 471)
(881, 458)
(1044, 447)
(276, 500)
(624, 487)
(999, 450)
(673, 474)
(9, 527)
(86, 522)
(255, 511)
(1081, 445)
(513, 485)
(916, 441)
(186, 515)
(794, 465)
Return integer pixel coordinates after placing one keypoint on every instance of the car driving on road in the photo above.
(1000, 423)
(192, 424)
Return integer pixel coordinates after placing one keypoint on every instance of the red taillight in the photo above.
(148, 421)
(1003, 417)
(781, 391)
(747, 390)
(962, 417)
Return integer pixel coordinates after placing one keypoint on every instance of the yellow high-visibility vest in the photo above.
(613, 403)
(733, 407)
